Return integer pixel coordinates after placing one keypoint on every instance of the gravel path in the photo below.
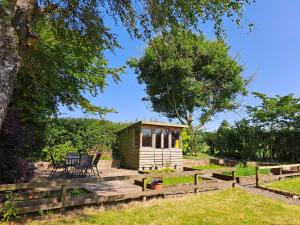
(271, 195)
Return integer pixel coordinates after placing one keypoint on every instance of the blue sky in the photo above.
(271, 52)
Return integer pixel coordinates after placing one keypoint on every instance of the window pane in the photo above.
(166, 138)
(175, 139)
(158, 138)
(147, 138)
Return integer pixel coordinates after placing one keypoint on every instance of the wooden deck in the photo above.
(111, 188)
(42, 175)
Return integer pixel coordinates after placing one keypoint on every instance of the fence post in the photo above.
(233, 178)
(196, 182)
(280, 171)
(256, 176)
(63, 197)
(144, 188)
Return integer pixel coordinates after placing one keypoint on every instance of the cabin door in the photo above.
(162, 150)
(166, 150)
(158, 151)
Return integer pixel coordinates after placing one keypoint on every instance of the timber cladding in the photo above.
(151, 146)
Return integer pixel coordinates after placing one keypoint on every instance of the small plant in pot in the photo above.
(157, 184)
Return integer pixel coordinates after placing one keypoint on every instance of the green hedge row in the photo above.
(62, 135)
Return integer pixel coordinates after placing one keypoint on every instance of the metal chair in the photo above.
(85, 163)
(95, 162)
(56, 165)
(71, 160)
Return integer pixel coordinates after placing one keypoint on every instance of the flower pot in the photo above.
(157, 186)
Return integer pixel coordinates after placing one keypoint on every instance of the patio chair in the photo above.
(55, 166)
(85, 164)
(71, 160)
(95, 162)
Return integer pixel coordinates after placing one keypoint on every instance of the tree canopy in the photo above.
(271, 132)
(61, 71)
(188, 77)
(61, 25)
(276, 113)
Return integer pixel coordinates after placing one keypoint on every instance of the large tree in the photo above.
(141, 18)
(271, 132)
(274, 115)
(189, 78)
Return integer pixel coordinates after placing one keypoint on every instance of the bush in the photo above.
(245, 141)
(63, 135)
(59, 151)
(15, 170)
(16, 138)
(185, 142)
(8, 212)
(194, 143)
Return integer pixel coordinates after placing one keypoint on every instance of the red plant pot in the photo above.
(157, 186)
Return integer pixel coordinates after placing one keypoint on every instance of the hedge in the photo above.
(63, 135)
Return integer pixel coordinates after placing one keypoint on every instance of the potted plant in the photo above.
(157, 184)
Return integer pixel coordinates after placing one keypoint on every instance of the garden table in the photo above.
(71, 161)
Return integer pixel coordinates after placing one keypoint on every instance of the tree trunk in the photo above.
(15, 21)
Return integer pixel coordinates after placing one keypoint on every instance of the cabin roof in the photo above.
(156, 123)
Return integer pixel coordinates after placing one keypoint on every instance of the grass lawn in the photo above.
(230, 206)
(198, 156)
(291, 185)
(242, 171)
(209, 167)
(176, 180)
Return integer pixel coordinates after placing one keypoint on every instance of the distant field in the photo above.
(291, 185)
(231, 206)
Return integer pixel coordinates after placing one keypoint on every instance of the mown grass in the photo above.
(209, 167)
(198, 156)
(291, 185)
(242, 171)
(176, 180)
(230, 206)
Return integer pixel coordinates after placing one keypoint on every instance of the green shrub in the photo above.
(194, 142)
(59, 151)
(8, 212)
(78, 192)
(64, 135)
(185, 142)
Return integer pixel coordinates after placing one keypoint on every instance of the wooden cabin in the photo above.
(148, 145)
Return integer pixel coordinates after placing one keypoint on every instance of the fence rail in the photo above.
(280, 167)
(64, 201)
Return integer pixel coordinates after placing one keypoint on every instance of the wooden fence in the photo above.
(27, 205)
(280, 167)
